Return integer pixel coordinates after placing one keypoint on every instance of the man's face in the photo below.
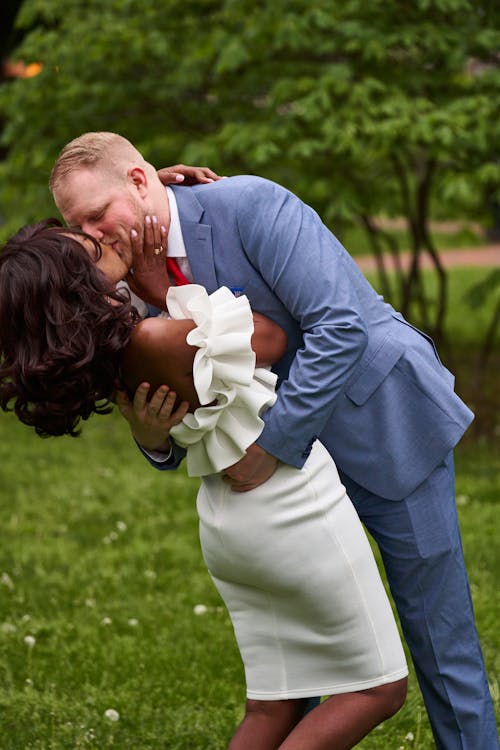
(106, 210)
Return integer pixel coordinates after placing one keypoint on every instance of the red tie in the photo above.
(176, 273)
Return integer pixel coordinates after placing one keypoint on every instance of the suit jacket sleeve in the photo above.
(171, 463)
(302, 262)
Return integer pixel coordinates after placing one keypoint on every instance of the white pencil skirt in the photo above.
(296, 572)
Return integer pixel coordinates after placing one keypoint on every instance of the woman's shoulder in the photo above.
(159, 334)
(159, 354)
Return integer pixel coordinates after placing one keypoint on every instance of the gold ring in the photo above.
(158, 250)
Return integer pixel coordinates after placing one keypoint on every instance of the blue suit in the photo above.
(373, 389)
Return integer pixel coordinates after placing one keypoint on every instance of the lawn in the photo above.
(111, 632)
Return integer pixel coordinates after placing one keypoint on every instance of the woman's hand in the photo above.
(148, 277)
(151, 421)
(180, 174)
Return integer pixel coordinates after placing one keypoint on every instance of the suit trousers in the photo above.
(419, 540)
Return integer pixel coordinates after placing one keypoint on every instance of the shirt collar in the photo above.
(176, 247)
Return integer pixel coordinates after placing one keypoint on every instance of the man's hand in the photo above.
(148, 277)
(253, 469)
(151, 421)
(180, 174)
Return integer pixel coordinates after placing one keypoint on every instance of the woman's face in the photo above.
(113, 266)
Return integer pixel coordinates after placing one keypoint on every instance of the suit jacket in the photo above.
(356, 374)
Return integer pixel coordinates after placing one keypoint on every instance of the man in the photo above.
(356, 375)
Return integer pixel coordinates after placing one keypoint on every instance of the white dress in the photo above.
(289, 558)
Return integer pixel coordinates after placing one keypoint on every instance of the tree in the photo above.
(385, 106)
(361, 108)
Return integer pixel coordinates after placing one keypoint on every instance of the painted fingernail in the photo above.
(133, 233)
(154, 219)
(179, 178)
(148, 219)
(163, 229)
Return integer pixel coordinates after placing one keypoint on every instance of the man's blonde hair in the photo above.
(100, 150)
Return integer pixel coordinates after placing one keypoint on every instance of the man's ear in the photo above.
(138, 180)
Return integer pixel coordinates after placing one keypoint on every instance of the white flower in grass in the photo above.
(8, 627)
(106, 621)
(121, 526)
(150, 574)
(200, 609)
(112, 715)
(462, 499)
(7, 581)
(29, 640)
(133, 622)
(90, 602)
(410, 737)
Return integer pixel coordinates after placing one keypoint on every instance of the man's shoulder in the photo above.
(240, 190)
(241, 195)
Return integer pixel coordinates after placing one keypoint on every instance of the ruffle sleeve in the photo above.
(232, 392)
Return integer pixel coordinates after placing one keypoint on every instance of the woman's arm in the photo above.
(269, 340)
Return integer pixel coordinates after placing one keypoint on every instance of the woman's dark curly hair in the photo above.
(63, 327)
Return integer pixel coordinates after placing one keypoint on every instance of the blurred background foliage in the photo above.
(362, 109)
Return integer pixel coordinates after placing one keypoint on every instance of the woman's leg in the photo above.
(267, 723)
(337, 724)
(343, 720)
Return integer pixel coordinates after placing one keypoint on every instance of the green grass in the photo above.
(100, 563)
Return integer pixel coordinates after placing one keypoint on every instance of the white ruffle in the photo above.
(217, 435)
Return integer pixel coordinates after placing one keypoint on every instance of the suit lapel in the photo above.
(197, 238)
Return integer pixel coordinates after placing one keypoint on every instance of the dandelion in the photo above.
(90, 602)
(150, 574)
(106, 621)
(7, 581)
(462, 499)
(8, 627)
(410, 737)
(121, 526)
(133, 622)
(29, 641)
(200, 609)
(111, 715)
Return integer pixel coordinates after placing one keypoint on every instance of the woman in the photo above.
(306, 624)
